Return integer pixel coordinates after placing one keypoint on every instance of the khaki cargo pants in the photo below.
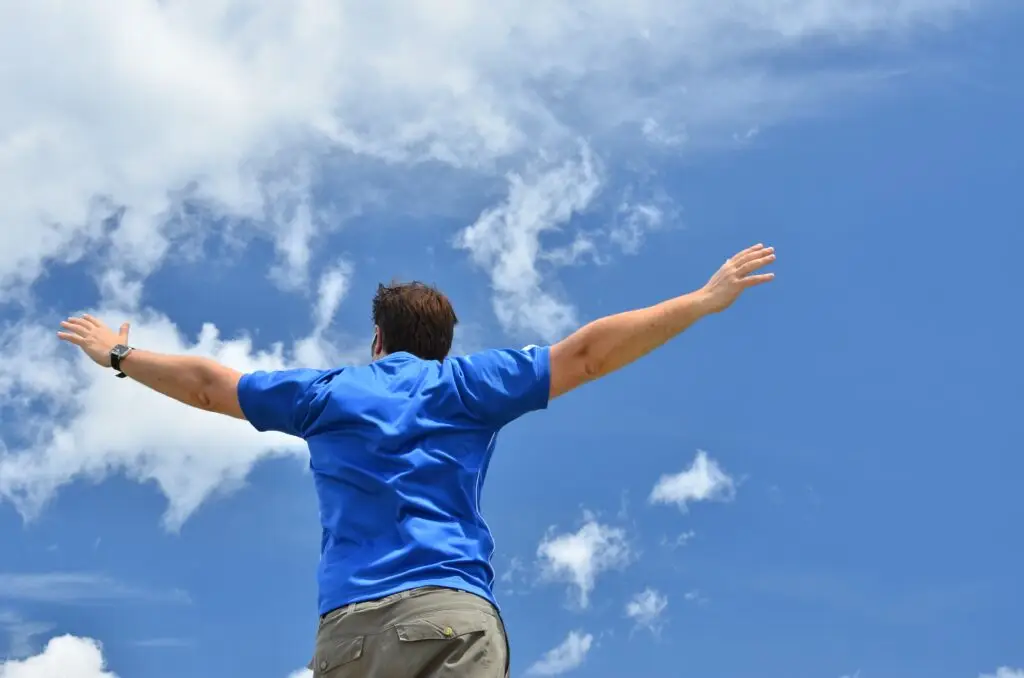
(428, 632)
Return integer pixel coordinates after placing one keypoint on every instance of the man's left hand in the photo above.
(93, 337)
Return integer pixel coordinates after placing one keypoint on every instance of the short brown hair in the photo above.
(415, 318)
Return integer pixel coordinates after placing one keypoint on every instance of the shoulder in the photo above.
(501, 357)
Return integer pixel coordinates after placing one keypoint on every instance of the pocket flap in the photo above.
(442, 626)
(334, 654)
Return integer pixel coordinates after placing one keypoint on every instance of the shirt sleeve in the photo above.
(501, 385)
(279, 400)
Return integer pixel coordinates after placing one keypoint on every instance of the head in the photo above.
(412, 317)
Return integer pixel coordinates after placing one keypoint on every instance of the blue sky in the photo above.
(855, 515)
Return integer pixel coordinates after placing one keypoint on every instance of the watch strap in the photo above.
(117, 354)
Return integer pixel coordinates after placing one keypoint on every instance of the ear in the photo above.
(378, 341)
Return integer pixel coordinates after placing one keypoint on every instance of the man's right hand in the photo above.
(736, 275)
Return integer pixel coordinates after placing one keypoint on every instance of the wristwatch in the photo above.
(117, 354)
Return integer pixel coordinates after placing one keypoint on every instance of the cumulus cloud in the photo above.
(567, 656)
(646, 608)
(63, 657)
(703, 480)
(72, 414)
(301, 673)
(577, 558)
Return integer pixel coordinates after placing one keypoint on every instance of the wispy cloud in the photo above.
(1004, 672)
(78, 587)
(164, 643)
(695, 596)
(21, 634)
(680, 540)
(567, 656)
(647, 608)
(505, 241)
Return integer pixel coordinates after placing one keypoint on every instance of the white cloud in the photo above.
(317, 348)
(20, 634)
(187, 452)
(505, 240)
(248, 108)
(78, 422)
(703, 480)
(647, 607)
(164, 643)
(72, 657)
(1004, 672)
(64, 657)
(633, 222)
(680, 540)
(577, 558)
(564, 658)
(150, 127)
(78, 587)
(695, 596)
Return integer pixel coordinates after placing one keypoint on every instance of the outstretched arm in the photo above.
(195, 381)
(605, 345)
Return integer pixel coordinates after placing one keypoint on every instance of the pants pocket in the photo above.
(444, 626)
(456, 643)
(332, 654)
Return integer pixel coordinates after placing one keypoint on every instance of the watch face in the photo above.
(120, 350)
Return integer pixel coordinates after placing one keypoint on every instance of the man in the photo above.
(399, 450)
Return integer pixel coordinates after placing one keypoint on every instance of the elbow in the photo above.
(204, 386)
(215, 389)
(575, 361)
(202, 400)
(591, 367)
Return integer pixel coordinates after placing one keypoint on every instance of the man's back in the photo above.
(400, 450)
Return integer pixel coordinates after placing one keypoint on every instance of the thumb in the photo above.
(123, 334)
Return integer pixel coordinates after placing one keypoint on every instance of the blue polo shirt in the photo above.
(399, 450)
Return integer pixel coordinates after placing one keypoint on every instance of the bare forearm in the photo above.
(198, 382)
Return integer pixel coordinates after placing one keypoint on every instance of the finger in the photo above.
(752, 265)
(753, 248)
(123, 334)
(77, 324)
(75, 329)
(71, 338)
(754, 280)
(753, 254)
(92, 321)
